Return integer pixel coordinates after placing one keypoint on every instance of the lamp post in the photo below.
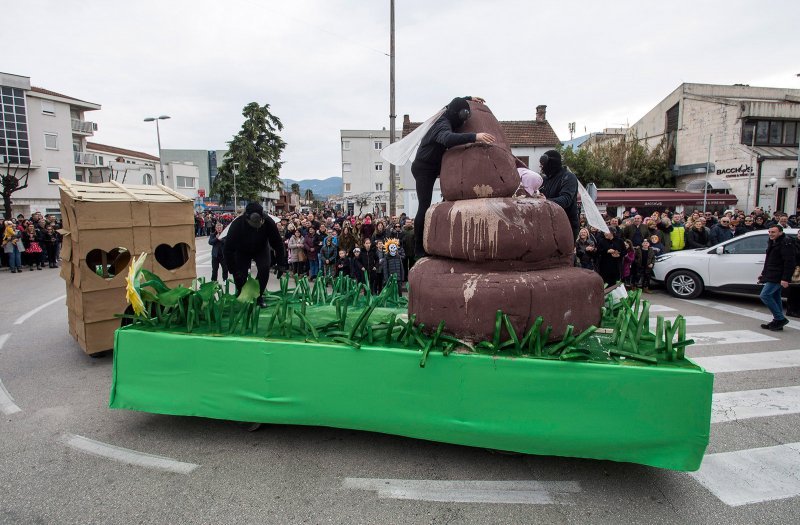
(158, 134)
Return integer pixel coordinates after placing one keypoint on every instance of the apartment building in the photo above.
(44, 133)
(365, 175)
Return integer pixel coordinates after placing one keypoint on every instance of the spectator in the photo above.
(50, 239)
(392, 264)
(697, 237)
(407, 241)
(793, 292)
(610, 249)
(311, 245)
(370, 262)
(645, 259)
(217, 249)
(343, 264)
(586, 249)
(13, 247)
(328, 255)
(628, 269)
(33, 247)
(779, 265)
(298, 256)
(357, 266)
(721, 231)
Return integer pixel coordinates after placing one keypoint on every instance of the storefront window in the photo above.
(771, 133)
(775, 132)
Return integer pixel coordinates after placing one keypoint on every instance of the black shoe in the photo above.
(782, 323)
(769, 325)
(261, 302)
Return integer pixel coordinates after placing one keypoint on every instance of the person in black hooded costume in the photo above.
(428, 162)
(560, 186)
(249, 238)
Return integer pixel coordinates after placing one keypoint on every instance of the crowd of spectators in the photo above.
(627, 253)
(328, 243)
(32, 243)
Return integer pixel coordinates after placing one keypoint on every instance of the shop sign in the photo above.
(742, 170)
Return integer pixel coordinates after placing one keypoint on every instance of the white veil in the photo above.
(593, 215)
(399, 152)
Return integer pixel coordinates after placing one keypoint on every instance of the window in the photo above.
(755, 245)
(346, 145)
(79, 176)
(185, 182)
(379, 166)
(147, 179)
(378, 186)
(99, 160)
(771, 132)
(14, 146)
(51, 141)
(52, 176)
(378, 144)
(347, 167)
(48, 107)
(346, 186)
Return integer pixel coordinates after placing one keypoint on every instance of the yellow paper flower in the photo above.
(132, 288)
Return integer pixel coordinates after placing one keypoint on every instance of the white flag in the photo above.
(399, 152)
(593, 215)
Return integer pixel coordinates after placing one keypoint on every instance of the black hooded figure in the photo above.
(560, 186)
(428, 163)
(249, 238)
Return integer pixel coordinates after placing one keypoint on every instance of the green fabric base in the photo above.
(653, 415)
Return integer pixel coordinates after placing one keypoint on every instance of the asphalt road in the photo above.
(56, 396)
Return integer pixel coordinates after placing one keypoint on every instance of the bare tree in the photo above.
(13, 182)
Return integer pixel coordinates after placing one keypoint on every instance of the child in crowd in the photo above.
(357, 266)
(645, 260)
(343, 264)
(627, 262)
(656, 245)
(328, 256)
(392, 264)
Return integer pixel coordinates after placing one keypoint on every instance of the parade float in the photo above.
(502, 344)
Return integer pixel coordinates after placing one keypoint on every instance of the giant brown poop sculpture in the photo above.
(491, 251)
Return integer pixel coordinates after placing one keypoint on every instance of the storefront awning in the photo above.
(661, 198)
(713, 184)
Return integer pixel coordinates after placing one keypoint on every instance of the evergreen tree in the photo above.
(254, 154)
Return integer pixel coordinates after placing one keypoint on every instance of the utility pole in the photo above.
(708, 168)
(392, 116)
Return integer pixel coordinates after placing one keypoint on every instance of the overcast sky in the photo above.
(323, 65)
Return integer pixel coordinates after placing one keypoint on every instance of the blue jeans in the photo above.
(771, 296)
(313, 266)
(15, 259)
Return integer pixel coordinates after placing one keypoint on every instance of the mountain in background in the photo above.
(320, 187)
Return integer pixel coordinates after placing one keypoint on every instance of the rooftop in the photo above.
(94, 146)
(83, 103)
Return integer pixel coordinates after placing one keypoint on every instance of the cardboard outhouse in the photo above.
(104, 226)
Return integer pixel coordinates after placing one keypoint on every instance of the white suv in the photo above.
(730, 266)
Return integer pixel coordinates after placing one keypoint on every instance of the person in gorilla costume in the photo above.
(428, 163)
(250, 237)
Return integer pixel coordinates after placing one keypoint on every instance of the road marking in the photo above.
(752, 476)
(661, 308)
(21, 319)
(124, 455)
(729, 337)
(746, 362)
(523, 491)
(739, 311)
(3, 339)
(7, 405)
(746, 404)
(691, 320)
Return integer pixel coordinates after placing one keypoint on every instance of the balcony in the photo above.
(82, 127)
(85, 159)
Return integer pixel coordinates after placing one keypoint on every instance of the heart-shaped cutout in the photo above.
(172, 257)
(108, 265)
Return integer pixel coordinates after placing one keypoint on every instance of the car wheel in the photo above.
(684, 284)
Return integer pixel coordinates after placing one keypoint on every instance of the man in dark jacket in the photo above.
(249, 238)
(560, 186)
(776, 275)
(721, 231)
(428, 162)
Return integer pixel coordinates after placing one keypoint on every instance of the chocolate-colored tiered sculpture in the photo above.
(493, 251)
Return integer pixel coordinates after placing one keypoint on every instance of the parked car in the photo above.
(730, 266)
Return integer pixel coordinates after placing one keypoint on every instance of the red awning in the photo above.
(659, 198)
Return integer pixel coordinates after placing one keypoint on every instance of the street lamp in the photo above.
(158, 134)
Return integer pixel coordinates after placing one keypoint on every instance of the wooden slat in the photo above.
(126, 190)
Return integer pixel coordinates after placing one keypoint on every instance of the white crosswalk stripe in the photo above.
(661, 308)
(730, 337)
(691, 320)
(746, 404)
(748, 362)
(752, 476)
(744, 312)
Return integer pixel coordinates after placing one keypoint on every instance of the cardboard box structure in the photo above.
(105, 225)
